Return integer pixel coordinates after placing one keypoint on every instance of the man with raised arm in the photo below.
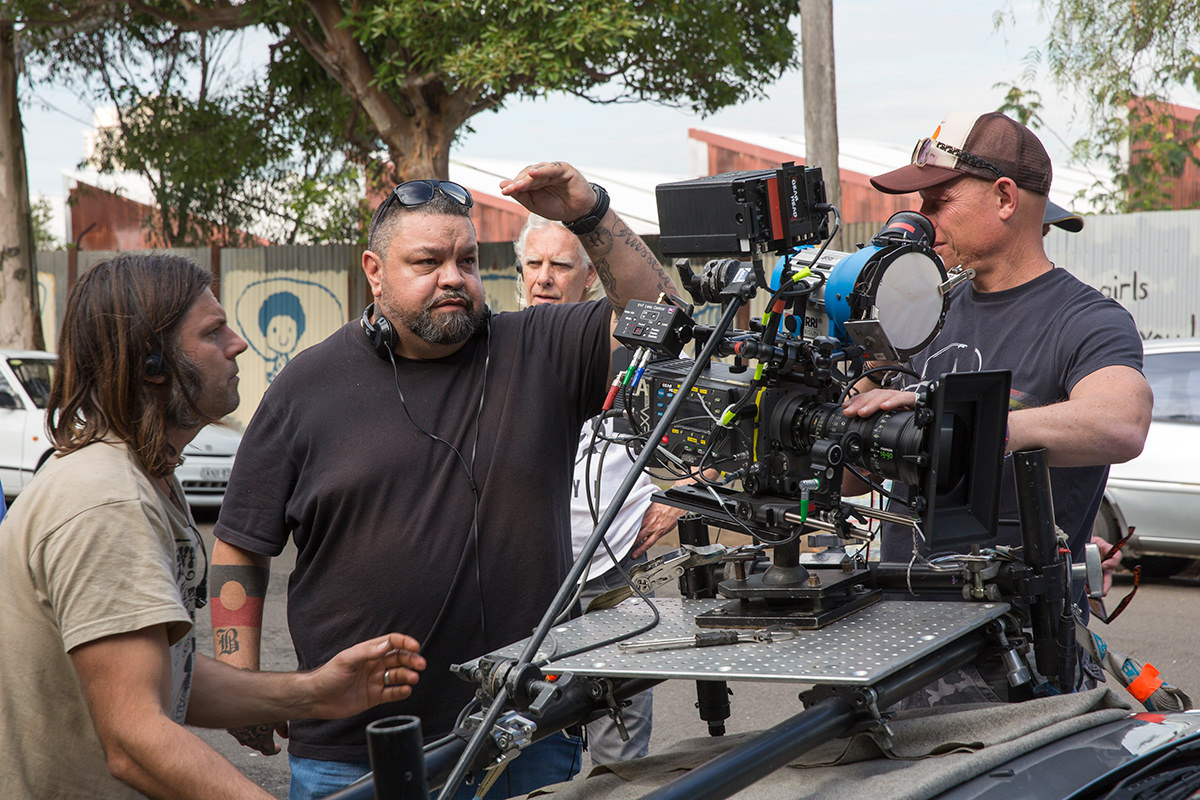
(420, 459)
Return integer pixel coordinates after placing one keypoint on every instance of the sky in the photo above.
(899, 69)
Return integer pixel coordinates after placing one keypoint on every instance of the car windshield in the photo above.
(1175, 379)
(36, 375)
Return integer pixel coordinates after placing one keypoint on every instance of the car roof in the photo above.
(1171, 345)
(30, 354)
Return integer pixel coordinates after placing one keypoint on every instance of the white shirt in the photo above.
(610, 465)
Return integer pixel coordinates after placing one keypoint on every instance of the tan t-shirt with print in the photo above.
(90, 549)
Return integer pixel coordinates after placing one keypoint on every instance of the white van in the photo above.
(25, 378)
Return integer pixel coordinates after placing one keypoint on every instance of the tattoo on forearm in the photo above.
(241, 591)
(253, 580)
(599, 244)
(227, 641)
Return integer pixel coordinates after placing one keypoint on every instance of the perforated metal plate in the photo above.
(858, 650)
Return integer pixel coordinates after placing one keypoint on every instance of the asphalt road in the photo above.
(1156, 627)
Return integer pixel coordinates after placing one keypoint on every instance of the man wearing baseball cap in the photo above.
(1075, 355)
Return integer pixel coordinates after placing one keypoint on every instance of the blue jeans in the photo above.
(554, 759)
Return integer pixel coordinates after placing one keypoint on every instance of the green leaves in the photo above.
(1126, 58)
(347, 80)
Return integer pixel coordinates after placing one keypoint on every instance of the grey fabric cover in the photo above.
(931, 751)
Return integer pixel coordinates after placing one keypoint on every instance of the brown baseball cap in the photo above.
(987, 146)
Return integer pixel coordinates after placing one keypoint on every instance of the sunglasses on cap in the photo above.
(411, 194)
(930, 152)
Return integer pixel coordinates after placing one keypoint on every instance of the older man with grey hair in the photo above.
(555, 269)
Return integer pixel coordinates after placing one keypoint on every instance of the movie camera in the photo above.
(776, 434)
(764, 437)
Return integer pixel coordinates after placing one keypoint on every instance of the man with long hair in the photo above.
(103, 567)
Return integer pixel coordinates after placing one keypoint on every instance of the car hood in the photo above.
(214, 440)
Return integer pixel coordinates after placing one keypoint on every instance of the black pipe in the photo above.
(920, 578)
(955, 655)
(775, 748)
(394, 747)
(831, 717)
(1035, 510)
(712, 697)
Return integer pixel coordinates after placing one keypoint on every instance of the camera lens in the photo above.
(889, 444)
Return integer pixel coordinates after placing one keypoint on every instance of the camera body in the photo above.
(737, 213)
(777, 433)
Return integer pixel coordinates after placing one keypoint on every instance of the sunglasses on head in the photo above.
(417, 193)
(926, 152)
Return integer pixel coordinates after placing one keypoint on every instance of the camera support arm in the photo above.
(566, 590)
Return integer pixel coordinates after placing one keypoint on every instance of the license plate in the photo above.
(215, 473)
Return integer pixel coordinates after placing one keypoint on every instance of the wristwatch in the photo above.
(589, 221)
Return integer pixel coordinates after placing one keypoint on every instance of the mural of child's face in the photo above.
(281, 333)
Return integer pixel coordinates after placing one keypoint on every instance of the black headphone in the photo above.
(380, 333)
(155, 364)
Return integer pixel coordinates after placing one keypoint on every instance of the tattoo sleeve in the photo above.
(600, 246)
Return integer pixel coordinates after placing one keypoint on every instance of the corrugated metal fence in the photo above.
(284, 299)
(1149, 262)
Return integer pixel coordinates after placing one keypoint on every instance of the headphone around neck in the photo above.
(380, 333)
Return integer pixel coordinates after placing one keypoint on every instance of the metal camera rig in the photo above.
(769, 447)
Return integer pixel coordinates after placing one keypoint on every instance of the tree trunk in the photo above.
(20, 325)
(421, 148)
(820, 99)
(417, 124)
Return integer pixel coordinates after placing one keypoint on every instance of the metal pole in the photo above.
(833, 716)
(567, 589)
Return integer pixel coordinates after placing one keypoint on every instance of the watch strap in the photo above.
(591, 220)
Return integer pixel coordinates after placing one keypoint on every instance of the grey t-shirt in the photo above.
(1050, 333)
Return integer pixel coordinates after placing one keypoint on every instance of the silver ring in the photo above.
(386, 682)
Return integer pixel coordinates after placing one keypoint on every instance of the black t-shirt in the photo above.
(1050, 333)
(381, 514)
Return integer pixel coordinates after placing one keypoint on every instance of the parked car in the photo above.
(1158, 493)
(25, 378)
(207, 462)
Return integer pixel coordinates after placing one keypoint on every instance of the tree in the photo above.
(41, 213)
(414, 72)
(222, 151)
(1126, 59)
(20, 325)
